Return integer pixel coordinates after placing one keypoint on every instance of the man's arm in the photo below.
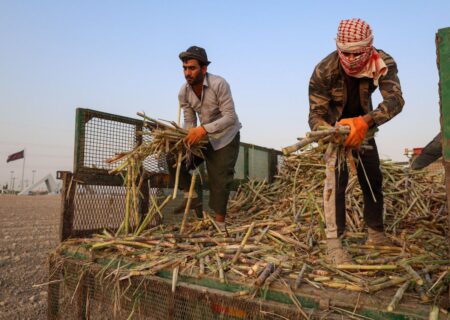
(226, 107)
(190, 118)
(391, 91)
(319, 100)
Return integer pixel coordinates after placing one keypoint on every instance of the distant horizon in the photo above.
(122, 58)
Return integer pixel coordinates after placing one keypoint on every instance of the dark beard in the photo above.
(197, 80)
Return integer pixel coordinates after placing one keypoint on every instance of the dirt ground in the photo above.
(28, 232)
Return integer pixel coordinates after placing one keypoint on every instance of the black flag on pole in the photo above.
(16, 156)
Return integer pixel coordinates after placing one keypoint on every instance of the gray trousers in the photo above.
(220, 169)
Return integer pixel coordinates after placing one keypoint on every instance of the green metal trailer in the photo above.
(93, 200)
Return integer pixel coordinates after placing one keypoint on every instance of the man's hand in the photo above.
(195, 135)
(358, 129)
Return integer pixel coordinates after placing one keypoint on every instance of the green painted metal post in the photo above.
(246, 163)
(443, 61)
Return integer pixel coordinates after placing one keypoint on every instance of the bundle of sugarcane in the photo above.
(159, 139)
(322, 135)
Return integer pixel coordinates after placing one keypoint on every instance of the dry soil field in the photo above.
(28, 232)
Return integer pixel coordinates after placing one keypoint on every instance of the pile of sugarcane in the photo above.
(275, 233)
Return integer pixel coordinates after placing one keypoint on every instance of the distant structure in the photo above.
(49, 181)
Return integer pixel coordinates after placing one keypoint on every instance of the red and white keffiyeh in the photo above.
(355, 36)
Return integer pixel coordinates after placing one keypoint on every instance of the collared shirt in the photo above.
(215, 110)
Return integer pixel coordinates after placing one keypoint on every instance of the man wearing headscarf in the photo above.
(340, 92)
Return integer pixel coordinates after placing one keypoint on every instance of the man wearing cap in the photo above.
(208, 97)
(340, 92)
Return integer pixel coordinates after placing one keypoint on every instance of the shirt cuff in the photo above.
(210, 127)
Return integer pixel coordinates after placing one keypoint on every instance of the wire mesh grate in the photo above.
(86, 291)
(104, 139)
(101, 136)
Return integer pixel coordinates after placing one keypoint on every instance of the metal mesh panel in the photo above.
(84, 292)
(98, 207)
(105, 138)
(100, 136)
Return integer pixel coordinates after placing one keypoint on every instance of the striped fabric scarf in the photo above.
(355, 36)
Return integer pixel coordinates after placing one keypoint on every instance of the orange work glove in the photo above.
(358, 130)
(195, 135)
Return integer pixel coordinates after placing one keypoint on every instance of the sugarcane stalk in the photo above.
(381, 248)
(434, 313)
(389, 283)
(268, 269)
(243, 243)
(379, 280)
(261, 235)
(254, 268)
(150, 216)
(188, 204)
(220, 268)
(366, 267)
(347, 276)
(346, 286)
(202, 266)
(439, 279)
(134, 191)
(177, 175)
(175, 278)
(418, 279)
(298, 281)
(273, 276)
(398, 296)
(127, 201)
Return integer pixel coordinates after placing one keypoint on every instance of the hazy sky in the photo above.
(121, 57)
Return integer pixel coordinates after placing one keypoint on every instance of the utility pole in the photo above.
(23, 169)
(13, 178)
(11, 182)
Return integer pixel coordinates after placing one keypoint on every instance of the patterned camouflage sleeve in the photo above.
(319, 99)
(391, 91)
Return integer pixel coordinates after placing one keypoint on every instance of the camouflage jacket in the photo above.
(328, 92)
